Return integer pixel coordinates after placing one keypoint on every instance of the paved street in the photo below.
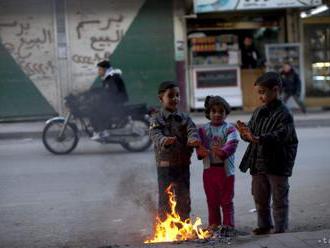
(101, 194)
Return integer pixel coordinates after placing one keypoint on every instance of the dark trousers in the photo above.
(179, 178)
(99, 120)
(102, 109)
(296, 99)
(276, 188)
(219, 190)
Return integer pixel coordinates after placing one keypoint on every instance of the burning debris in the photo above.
(136, 188)
(173, 228)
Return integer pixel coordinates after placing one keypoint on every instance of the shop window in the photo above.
(224, 77)
(317, 54)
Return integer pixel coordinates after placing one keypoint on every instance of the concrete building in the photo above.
(49, 48)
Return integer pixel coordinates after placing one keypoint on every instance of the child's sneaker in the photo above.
(100, 135)
(261, 231)
(227, 231)
(278, 230)
(211, 229)
(96, 136)
(105, 134)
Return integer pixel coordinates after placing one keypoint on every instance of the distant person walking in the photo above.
(250, 55)
(291, 85)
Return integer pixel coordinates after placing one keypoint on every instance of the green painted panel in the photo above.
(18, 95)
(146, 53)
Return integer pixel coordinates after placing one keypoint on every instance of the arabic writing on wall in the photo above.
(28, 46)
(102, 38)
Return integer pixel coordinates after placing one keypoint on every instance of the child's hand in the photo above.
(193, 143)
(246, 132)
(170, 140)
(247, 135)
(202, 152)
(218, 152)
(241, 126)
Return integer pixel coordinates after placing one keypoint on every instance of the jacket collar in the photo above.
(167, 114)
(110, 72)
(272, 106)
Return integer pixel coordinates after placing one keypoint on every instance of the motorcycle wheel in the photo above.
(60, 145)
(142, 140)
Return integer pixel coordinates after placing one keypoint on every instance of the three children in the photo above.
(270, 155)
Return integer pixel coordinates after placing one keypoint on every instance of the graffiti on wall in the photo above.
(95, 29)
(81, 59)
(25, 44)
(101, 42)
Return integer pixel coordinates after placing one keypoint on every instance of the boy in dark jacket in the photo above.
(111, 98)
(270, 155)
(174, 136)
(112, 82)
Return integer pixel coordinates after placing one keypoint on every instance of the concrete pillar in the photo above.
(292, 25)
(64, 85)
(180, 45)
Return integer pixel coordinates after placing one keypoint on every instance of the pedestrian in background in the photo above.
(270, 155)
(250, 55)
(174, 135)
(291, 85)
(219, 141)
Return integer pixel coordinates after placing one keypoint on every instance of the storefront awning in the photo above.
(205, 6)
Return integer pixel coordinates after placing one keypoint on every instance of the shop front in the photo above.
(230, 45)
(317, 63)
(215, 68)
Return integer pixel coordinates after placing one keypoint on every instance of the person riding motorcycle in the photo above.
(110, 100)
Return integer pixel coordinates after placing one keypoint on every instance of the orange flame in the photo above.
(175, 229)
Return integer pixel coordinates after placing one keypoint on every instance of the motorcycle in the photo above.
(130, 129)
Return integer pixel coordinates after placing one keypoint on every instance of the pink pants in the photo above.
(219, 190)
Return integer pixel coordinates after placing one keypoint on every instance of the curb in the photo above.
(21, 135)
(38, 134)
(312, 123)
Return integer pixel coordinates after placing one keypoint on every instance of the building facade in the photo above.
(280, 31)
(50, 48)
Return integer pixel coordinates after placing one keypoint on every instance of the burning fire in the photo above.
(175, 229)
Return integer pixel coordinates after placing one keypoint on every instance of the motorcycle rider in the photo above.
(116, 96)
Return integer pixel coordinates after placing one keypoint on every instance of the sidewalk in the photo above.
(21, 130)
(315, 118)
(286, 240)
(320, 238)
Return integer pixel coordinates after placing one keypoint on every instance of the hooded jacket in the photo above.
(114, 84)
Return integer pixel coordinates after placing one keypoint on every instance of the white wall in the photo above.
(27, 31)
(95, 29)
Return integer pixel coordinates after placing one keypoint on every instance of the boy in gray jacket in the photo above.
(174, 136)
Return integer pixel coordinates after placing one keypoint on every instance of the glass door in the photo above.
(317, 54)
